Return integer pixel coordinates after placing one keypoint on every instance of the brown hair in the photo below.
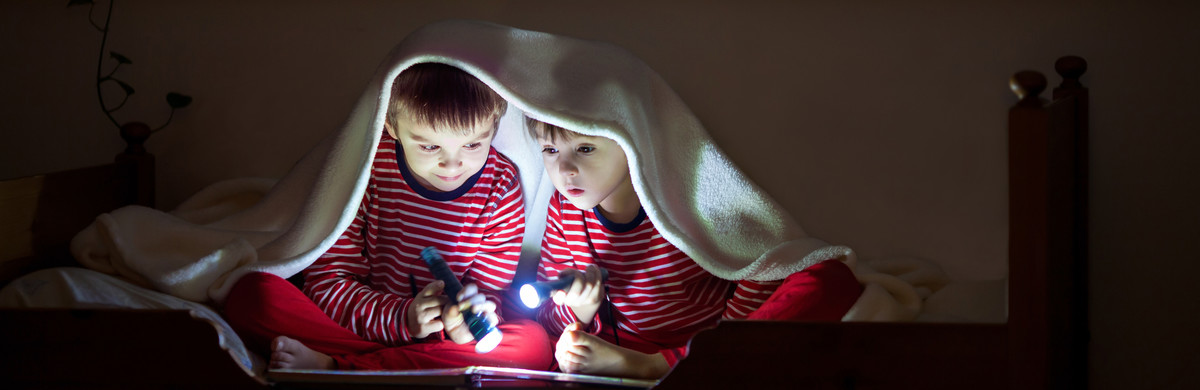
(445, 98)
(538, 129)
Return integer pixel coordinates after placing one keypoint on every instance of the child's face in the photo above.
(589, 171)
(442, 161)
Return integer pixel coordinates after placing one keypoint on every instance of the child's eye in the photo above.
(429, 148)
(549, 150)
(586, 149)
(473, 146)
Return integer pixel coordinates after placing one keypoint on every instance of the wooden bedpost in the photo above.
(1071, 68)
(1047, 319)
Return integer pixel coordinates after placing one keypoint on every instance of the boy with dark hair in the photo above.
(435, 181)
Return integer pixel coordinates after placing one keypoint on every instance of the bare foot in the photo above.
(583, 353)
(289, 353)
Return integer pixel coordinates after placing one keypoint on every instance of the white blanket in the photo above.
(691, 191)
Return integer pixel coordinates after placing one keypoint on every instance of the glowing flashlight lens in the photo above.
(489, 342)
(529, 296)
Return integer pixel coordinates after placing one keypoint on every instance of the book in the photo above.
(465, 376)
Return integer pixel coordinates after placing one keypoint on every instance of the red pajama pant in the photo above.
(822, 292)
(263, 306)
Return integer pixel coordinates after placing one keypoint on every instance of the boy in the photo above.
(638, 321)
(435, 181)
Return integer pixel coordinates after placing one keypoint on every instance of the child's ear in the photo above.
(390, 130)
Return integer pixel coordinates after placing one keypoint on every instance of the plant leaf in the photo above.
(120, 58)
(73, 3)
(178, 100)
(128, 89)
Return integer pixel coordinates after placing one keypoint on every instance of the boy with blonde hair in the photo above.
(638, 321)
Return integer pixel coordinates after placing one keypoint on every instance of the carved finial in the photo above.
(1070, 68)
(1028, 85)
(135, 135)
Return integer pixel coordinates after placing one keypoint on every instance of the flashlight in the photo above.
(487, 337)
(534, 294)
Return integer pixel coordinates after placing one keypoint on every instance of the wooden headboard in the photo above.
(40, 214)
(1043, 345)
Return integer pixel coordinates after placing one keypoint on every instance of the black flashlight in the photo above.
(487, 337)
(534, 294)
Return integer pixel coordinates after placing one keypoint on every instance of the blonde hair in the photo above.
(538, 129)
(445, 98)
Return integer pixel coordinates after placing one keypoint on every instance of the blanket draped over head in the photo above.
(690, 190)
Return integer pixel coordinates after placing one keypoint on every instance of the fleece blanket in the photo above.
(690, 190)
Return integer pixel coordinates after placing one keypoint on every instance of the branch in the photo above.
(169, 116)
(114, 71)
(129, 91)
(91, 9)
(100, 68)
(118, 107)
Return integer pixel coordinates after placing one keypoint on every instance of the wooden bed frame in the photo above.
(1043, 345)
(40, 214)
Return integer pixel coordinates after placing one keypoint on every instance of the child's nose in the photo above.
(567, 168)
(450, 160)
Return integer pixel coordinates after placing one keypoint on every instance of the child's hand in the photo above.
(424, 310)
(583, 353)
(584, 295)
(468, 299)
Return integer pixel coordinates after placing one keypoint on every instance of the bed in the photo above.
(1042, 344)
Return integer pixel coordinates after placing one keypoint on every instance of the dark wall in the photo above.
(879, 126)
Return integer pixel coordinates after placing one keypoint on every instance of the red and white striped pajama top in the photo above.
(367, 279)
(657, 292)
